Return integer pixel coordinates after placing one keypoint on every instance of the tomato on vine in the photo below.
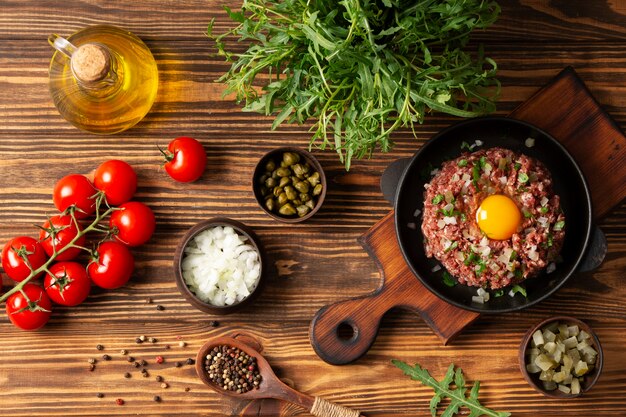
(117, 180)
(185, 159)
(67, 283)
(77, 191)
(133, 223)
(57, 232)
(20, 255)
(29, 308)
(111, 266)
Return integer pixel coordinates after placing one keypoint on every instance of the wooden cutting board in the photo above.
(342, 332)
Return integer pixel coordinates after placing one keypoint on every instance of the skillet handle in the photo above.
(596, 251)
(391, 178)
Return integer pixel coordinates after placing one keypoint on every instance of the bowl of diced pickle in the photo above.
(561, 357)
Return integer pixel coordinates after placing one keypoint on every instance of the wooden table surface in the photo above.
(44, 373)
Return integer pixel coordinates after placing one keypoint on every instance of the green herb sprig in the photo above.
(458, 397)
(359, 69)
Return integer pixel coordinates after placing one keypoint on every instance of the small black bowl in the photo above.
(241, 229)
(259, 170)
(405, 179)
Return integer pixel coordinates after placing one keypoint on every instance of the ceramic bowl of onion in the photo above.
(561, 357)
(218, 266)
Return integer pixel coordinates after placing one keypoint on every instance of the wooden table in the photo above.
(45, 373)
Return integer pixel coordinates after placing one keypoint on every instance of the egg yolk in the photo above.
(498, 217)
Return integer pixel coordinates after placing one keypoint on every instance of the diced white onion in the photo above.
(503, 180)
(449, 220)
(460, 256)
(478, 299)
(436, 268)
(417, 212)
(441, 223)
(530, 142)
(411, 226)
(478, 142)
(551, 268)
(544, 201)
(220, 267)
(434, 171)
(466, 177)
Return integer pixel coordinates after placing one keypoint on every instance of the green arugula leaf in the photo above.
(458, 397)
(358, 70)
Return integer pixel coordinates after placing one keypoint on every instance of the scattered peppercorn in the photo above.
(190, 361)
(159, 378)
(144, 363)
(149, 300)
(119, 401)
(145, 373)
(182, 344)
(214, 323)
(138, 341)
(167, 346)
(232, 369)
(136, 364)
(92, 367)
(160, 307)
(178, 364)
(99, 395)
(159, 359)
(187, 389)
(152, 340)
(142, 338)
(91, 360)
(123, 352)
(156, 398)
(127, 375)
(106, 357)
(130, 359)
(164, 385)
(99, 347)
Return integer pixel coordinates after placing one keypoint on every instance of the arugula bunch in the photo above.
(359, 68)
(442, 389)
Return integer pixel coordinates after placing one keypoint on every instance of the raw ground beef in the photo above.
(452, 235)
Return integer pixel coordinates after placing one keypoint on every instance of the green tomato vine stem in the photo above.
(99, 197)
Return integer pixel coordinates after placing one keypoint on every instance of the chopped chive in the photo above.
(448, 280)
(517, 166)
(543, 210)
(462, 163)
(559, 225)
(453, 246)
(518, 289)
(522, 178)
(465, 145)
(438, 199)
(498, 293)
(475, 174)
(513, 256)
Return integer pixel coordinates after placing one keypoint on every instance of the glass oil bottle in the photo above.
(102, 79)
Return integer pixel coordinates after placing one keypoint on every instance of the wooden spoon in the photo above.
(270, 386)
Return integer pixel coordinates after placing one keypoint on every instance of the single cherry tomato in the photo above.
(29, 313)
(111, 266)
(14, 252)
(117, 180)
(67, 284)
(59, 231)
(75, 190)
(185, 159)
(133, 224)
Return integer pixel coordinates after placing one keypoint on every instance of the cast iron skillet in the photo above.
(569, 183)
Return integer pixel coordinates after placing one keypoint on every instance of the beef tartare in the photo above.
(492, 219)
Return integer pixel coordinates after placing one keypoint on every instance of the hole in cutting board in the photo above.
(347, 332)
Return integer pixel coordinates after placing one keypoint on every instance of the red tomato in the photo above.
(133, 224)
(32, 313)
(58, 232)
(111, 266)
(117, 180)
(75, 190)
(13, 257)
(185, 159)
(67, 284)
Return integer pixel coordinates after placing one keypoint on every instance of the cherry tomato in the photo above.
(32, 313)
(117, 180)
(133, 224)
(185, 159)
(111, 266)
(58, 232)
(13, 257)
(75, 190)
(67, 284)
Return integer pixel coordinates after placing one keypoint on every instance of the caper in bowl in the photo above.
(289, 184)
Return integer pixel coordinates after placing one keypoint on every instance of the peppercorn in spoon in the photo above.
(233, 368)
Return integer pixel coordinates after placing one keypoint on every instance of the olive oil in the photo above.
(102, 79)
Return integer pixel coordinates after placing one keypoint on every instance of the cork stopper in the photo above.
(91, 62)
